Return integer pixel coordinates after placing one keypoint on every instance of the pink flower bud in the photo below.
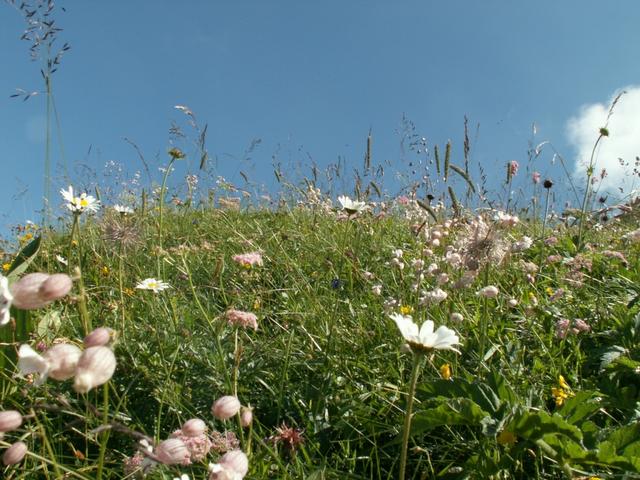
(15, 453)
(9, 420)
(55, 287)
(246, 416)
(99, 337)
(237, 461)
(173, 451)
(194, 427)
(226, 407)
(62, 360)
(26, 291)
(95, 367)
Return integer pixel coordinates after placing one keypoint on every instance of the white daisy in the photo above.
(351, 206)
(123, 210)
(80, 204)
(424, 339)
(153, 285)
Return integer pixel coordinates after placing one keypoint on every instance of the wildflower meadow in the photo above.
(195, 328)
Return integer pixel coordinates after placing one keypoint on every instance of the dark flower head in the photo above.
(547, 184)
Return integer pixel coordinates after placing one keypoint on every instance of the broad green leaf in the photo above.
(23, 259)
(579, 407)
(49, 324)
(458, 411)
(534, 425)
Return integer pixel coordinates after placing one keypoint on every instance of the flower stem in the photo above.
(417, 362)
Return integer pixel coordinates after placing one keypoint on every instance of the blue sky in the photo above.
(310, 79)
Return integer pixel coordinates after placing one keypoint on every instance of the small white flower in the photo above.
(633, 236)
(376, 289)
(434, 296)
(123, 210)
(80, 204)
(29, 361)
(489, 291)
(153, 285)
(62, 260)
(523, 244)
(5, 301)
(351, 206)
(184, 476)
(425, 338)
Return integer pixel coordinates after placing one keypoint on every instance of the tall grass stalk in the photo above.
(161, 211)
(406, 429)
(104, 436)
(587, 191)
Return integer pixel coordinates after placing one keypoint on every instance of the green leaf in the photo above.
(611, 355)
(534, 425)
(483, 394)
(579, 407)
(49, 324)
(23, 259)
(459, 411)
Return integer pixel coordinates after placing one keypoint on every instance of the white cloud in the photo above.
(623, 142)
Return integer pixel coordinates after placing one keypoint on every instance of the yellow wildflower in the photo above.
(105, 271)
(406, 309)
(6, 266)
(562, 392)
(445, 371)
(505, 437)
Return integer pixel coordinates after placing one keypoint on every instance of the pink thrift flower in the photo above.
(248, 260)
(223, 442)
(513, 168)
(562, 327)
(535, 177)
(198, 446)
(242, 319)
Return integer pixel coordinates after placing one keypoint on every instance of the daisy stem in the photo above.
(406, 430)
(74, 229)
(82, 303)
